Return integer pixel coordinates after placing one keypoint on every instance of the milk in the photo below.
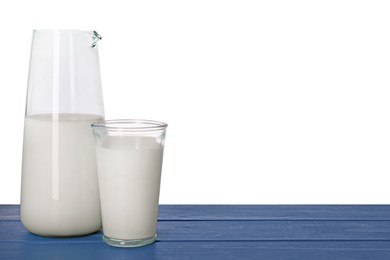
(60, 194)
(129, 173)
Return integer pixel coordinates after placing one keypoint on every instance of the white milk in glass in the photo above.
(60, 195)
(129, 173)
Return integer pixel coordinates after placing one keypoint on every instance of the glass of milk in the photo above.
(129, 156)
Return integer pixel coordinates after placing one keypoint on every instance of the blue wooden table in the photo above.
(225, 232)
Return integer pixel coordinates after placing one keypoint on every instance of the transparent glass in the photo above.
(129, 155)
(59, 193)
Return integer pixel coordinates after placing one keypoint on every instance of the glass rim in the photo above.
(129, 125)
(61, 30)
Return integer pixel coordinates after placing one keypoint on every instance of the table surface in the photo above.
(313, 232)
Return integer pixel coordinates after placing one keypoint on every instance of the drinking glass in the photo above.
(129, 156)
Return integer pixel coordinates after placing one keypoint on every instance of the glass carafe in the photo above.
(59, 193)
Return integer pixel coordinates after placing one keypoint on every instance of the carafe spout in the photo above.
(95, 38)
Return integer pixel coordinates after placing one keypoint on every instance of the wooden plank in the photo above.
(273, 230)
(343, 250)
(233, 231)
(9, 212)
(13, 231)
(274, 212)
(254, 212)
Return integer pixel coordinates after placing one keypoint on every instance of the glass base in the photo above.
(129, 243)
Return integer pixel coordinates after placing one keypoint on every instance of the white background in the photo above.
(266, 101)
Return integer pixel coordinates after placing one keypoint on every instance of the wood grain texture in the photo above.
(225, 232)
(234, 231)
(202, 250)
(274, 212)
(254, 212)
